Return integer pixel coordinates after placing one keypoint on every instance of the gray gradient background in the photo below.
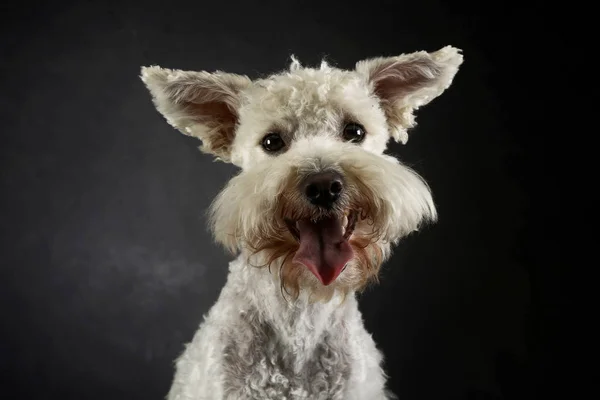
(106, 262)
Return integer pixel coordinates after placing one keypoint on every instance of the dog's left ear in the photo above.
(200, 104)
(404, 83)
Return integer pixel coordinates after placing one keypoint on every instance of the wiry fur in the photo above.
(276, 331)
(393, 199)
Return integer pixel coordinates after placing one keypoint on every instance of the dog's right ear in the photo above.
(200, 104)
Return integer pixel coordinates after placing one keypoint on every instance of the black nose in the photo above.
(323, 189)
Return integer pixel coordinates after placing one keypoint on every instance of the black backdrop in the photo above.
(106, 262)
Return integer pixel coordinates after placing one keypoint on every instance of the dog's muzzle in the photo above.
(324, 239)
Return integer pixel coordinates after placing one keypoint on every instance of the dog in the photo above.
(313, 213)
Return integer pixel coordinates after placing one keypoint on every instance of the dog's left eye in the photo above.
(273, 142)
(354, 133)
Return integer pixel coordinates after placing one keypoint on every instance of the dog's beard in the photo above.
(283, 255)
(322, 251)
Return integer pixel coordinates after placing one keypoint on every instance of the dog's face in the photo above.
(316, 196)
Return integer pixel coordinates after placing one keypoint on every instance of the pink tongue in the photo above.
(323, 249)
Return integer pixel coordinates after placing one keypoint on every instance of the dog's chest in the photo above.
(259, 363)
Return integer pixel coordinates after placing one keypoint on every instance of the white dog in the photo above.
(312, 214)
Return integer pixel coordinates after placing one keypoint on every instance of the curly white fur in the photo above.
(256, 342)
(253, 344)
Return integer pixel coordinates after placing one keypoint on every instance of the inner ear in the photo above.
(394, 80)
(219, 121)
(200, 104)
(404, 83)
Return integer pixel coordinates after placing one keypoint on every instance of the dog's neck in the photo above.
(297, 320)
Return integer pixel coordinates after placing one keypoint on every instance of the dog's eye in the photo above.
(354, 133)
(273, 142)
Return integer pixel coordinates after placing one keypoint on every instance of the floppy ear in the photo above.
(406, 82)
(200, 104)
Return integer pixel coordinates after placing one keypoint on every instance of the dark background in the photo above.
(106, 264)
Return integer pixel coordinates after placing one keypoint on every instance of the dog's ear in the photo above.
(406, 82)
(200, 104)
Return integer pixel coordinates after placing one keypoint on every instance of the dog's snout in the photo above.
(323, 189)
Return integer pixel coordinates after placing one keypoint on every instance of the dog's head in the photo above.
(316, 196)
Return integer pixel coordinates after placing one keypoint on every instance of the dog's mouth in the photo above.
(324, 244)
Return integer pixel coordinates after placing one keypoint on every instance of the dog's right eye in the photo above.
(273, 142)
